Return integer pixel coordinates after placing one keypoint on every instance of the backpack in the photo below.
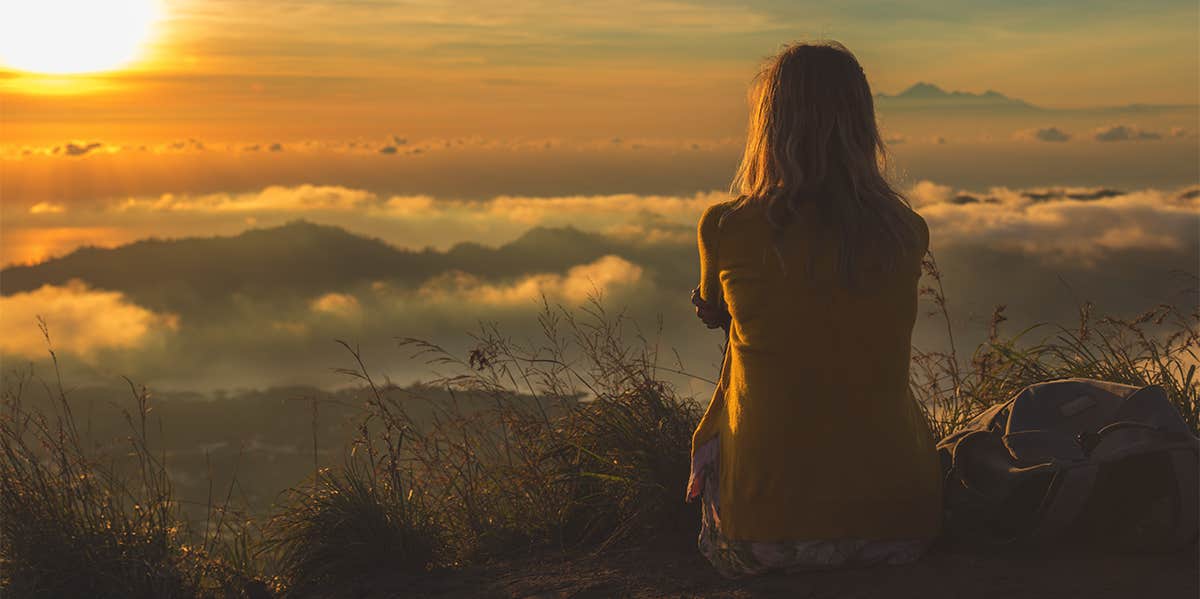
(1075, 460)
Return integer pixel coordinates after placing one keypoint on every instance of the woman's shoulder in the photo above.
(714, 212)
(920, 227)
(710, 219)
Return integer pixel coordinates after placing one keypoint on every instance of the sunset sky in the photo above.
(426, 124)
(304, 69)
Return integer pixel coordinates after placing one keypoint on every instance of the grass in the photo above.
(570, 441)
(75, 525)
(1156, 347)
(350, 528)
(579, 445)
(586, 445)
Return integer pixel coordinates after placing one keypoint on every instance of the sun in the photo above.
(62, 37)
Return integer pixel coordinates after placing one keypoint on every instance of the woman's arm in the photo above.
(707, 297)
(710, 307)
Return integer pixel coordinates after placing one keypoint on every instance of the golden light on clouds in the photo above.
(82, 321)
(64, 37)
(605, 275)
(337, 304)
(36, 244)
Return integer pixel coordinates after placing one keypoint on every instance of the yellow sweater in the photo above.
(820, 437)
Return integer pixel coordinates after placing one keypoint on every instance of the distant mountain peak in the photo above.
(544, 234)
(923, 93)
(922, 89)
(301, 225)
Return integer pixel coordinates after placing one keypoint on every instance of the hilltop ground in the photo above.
(676, 572)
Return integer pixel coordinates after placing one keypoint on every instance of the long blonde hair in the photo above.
(813, 141)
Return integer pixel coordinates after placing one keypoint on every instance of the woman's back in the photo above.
(813, 451)
(820, 437)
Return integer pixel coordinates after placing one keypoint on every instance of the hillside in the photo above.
(199, 275)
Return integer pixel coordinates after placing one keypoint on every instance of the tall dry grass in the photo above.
(572, 440)
(362, 521)
(1160, 346)
(77, 524)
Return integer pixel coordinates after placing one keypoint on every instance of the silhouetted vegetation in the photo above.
(600, 455)
(355, 525)
(573, 440)
(1156, 347)
(72, 525)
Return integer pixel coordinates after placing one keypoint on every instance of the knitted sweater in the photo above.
(820, 435)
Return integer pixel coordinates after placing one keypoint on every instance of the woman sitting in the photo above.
(813, 452)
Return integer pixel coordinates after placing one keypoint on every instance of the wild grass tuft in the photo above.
(352, 528)
(363, 521)
(583, 444)
(1157, 347)
(75, 525)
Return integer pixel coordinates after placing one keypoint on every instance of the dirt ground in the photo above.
(677, 572)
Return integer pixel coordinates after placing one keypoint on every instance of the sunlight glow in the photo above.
(74, 36)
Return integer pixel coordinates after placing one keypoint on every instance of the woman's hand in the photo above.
(713, 316)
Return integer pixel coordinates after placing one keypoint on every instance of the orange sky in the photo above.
(474, 100)
(342, 68)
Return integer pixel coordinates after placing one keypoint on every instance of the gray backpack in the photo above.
(1075, 459)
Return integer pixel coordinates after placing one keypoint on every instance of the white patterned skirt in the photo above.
(734, 558)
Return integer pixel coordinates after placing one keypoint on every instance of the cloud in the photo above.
(47, 208)
(337, 304)
(1044, 223)
(927, 192)
(1123, 133)
(1038, 249)
(391, 145)
(531, 210)
(189, 145)
(606, 275)
(625, 16)
(78, 149)
(1085, 194)
(1049, 134)
(31, 243)
(1054, 225)
(417, 221)
(420, 221)
(304, 198)
(81, 321)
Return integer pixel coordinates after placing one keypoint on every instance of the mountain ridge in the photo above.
(923, 93)
(299, 259)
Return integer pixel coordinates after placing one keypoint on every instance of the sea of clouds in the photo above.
(1041, 251)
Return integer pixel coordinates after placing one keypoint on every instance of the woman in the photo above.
(813, 452)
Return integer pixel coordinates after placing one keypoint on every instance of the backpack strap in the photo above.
(1069, 491)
